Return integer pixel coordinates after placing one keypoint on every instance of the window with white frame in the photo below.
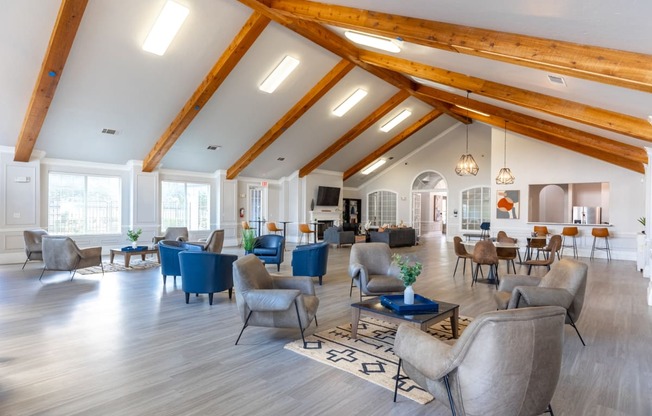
(381, 207)
(185, 204)
(84, 204)
(475, 207)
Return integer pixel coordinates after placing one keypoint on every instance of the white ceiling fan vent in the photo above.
(556, 79)
(109, 131)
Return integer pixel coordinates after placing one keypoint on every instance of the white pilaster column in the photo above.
(648, 224)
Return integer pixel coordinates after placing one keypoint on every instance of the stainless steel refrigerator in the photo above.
(587, 215)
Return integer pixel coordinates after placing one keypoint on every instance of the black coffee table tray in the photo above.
(421, 304)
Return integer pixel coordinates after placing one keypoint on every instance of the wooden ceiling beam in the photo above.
(358, 129)
(391, 143)
(299, 109)
(608, 66)
(593, 116)
(248, 34)
(56, 55)
(568, 134)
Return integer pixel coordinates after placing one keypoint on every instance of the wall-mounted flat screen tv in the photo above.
(328, 196)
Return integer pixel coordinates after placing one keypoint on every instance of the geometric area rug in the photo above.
(134, 264)
(371, 356)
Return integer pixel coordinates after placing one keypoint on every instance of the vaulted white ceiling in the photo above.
(110, 82)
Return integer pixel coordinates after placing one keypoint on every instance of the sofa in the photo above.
(339, 236)
(395, 237)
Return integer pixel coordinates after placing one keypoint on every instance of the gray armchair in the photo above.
(34, 244)
(61, 253)
(214, 243)
(272, 301)
(504, 363)
(172, 233)
(564, 285)
(337, 235)
(371, 269)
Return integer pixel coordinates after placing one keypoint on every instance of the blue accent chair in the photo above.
(269, 249)
(310, 260)
(206, 272)
(169, 252)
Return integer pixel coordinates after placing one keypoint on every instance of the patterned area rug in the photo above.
(134, 264)
(371, 356)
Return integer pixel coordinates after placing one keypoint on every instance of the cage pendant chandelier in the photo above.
(505, 176)
(466, 165)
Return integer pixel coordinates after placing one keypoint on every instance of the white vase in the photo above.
(408, 295)
(134, 244)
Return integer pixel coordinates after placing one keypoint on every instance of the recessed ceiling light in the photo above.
(472, 110)
(373, 167)
(649, 119)
(214, 147)
(373, 41)
(278, 75)
(165, 28)
(396, 120)
(433, 84)
(348, 104)
(556, 79)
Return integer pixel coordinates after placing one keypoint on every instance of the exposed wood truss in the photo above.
(607, 66)
(222, 68)
(392, 143)
(592, 116)
(61, 40)
(303, 105)
(358, 129)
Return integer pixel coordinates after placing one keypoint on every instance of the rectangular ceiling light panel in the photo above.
(350, 102)
(373, 41)
(396, 120)
(373, 167)
(472, 110)
(278, 75)
(165, 28)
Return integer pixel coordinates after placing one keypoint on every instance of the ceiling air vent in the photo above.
(280, 159)
(555, 79)
(109, 131)
(214, 147)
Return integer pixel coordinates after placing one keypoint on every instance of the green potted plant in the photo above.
(248, 238)
(408, 273)
(133, 235)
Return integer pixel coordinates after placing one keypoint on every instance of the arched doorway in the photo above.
(429, 203)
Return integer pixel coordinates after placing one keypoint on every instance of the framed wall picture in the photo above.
(508, 204)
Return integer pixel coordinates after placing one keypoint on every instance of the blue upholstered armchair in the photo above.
(206, 272)
(269, 249)
(310, 260)
(169, 252)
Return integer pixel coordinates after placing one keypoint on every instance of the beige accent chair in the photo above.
(272, 301)
(34, 244)
(214, 243)
(371, 269)
(564, 285)
(172, 233)
(61, 253)
(504, 363)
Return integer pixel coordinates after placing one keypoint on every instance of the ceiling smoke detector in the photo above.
(556, 79)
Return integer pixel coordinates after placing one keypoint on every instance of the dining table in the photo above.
(470, 245)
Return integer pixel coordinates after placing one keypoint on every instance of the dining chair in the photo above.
(484, 253)
(305, 230)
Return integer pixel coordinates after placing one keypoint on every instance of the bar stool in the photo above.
(569, 232)
(541, 230)
(601, 233)
(485, 227)
(272, 228)
(304, 229)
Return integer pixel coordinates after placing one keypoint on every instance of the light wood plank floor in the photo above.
(123, 344)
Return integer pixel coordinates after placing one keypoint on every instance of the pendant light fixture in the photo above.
(505, 176)
(466, 165)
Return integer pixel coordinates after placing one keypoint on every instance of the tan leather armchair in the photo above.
(214, 243)
(504, 363)
(564, 285)
(272, 301)
(371, 269)
(172, 233)
(61, 253)
(34, 244)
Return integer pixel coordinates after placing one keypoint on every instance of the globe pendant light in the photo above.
(505, 176)
(466, 165)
